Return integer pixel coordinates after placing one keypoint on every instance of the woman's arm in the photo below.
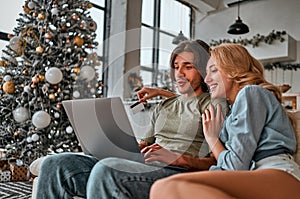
(147, 93)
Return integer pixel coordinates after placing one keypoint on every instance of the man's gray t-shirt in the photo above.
(177, 126)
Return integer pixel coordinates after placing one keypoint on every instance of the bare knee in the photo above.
(164, 188)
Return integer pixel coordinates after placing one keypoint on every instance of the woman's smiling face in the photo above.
(219, 84)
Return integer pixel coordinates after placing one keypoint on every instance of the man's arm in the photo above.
(195, 164)
(147, 93)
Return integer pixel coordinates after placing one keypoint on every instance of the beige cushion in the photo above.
(35, 165)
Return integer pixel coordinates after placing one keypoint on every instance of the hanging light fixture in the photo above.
(179, 38)
(238, 27)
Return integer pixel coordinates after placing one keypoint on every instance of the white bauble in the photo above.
(29, 139)
(35, 137)
(54, 11)
(69, 129)
(21, 114)
(14, 43)
(87, 73)
(7, 78)
(76, 94)
(31, 5)
(53, 75)
(27, 89)
(92, 90)
(41, 119)
(56, 115)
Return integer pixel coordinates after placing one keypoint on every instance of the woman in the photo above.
(255, 144)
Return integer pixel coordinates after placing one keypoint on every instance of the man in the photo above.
(174, 144)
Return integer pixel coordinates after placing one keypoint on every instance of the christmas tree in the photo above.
(50, 58)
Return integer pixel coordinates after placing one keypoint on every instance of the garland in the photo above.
(255, 40)
(275, 65)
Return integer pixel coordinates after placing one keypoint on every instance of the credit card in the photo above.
(137, 107)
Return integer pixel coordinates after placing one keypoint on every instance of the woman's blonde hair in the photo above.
(235, 61)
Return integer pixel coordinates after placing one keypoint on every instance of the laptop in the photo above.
(102, 128)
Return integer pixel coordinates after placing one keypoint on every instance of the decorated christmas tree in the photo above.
(50, 58)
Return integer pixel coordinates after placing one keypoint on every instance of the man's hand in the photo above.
(148, 93)
(143, 144)
(155, 152)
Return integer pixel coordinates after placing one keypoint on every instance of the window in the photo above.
(162, 20)
(98, 15)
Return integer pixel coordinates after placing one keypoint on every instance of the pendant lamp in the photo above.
(238, 27)
(179, 38)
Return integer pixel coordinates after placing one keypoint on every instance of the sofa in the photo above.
(35, 165)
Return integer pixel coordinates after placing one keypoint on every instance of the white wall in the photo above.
(9, 12)
(262, 16)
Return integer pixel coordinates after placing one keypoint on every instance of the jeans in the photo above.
(66, 175)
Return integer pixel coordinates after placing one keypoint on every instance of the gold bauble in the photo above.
(35, 79)
(76, 70)
(75, 17)
(39, 49)
(58, 105)
(16, 133)
(51, 96)
(9, 36)
(25, 72)
(78, 41)
(41, 16)
(2, 63)
(9, 87)
(48, 36)
(41, 77)
(26, 10)
(82, 26)
(64, 28)
(34, 14)
(90, 5)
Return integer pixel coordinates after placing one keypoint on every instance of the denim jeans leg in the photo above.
(119, 178)
(64, 175)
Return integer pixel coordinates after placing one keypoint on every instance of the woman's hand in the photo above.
(212, 123)
(147, 93)
(155, 152)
